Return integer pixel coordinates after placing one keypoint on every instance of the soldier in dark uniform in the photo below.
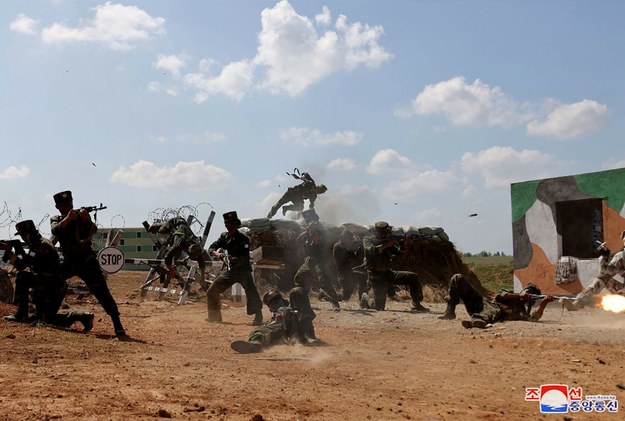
(181, 238)
(306, 190)
(380, 248)
(290, 322)
(74, 230)
(314, 238)
(40, 270)
(487, 307)
(233, 248)
(348, 254)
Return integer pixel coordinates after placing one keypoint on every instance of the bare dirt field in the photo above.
(390, 365)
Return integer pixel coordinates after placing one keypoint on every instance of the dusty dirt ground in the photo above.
(390, 365)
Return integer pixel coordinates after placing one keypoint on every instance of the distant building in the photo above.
(135, 243)
(557, 224)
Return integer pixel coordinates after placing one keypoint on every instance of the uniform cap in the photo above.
(25, 226)
(63, 197)
(231, 216)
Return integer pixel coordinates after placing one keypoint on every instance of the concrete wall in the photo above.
(537, 241)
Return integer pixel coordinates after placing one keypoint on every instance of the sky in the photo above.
(419, 113)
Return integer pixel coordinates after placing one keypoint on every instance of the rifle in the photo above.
(227, 260)
(20, 254)
(93, 208)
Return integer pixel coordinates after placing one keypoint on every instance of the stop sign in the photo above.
(111, 259)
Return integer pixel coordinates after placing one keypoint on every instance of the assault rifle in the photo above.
(18, 250)
(92, 208)
(227, 260)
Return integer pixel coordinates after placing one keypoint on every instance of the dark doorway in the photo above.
(580, 223)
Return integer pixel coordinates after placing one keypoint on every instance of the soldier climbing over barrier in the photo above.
(306, 190)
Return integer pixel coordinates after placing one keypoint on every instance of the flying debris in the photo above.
(93, 163)
(471, 215)
(394, 203)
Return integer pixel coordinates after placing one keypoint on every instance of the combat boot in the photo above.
(418, 308)
(246, 347)
(214, 316)
(119, 329)
(449, 314)
(258, 318)
(17, 317)
(86, 320)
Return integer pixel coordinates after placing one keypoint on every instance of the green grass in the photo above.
(495, 272)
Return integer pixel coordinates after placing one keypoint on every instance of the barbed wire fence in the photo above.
(8, 219)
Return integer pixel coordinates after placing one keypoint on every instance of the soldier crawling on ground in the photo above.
(487, 307)
(290, 322)
(306, 190)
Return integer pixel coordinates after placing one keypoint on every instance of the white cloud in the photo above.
(295, 56)
(264, 183)
(305, 136)
(419, 183)
(24, 25)
(191, 175)
(171, 63)
(501, 166)
(14, 172)
(388, 160)
(475, 104)
(325, 17)
(114, 25)
(570, 121)
(234, 81)
(478, 104)
(344, 164)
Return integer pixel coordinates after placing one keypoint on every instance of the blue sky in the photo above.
(415, 112)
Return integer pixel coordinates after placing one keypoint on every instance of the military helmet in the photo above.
(382, 226)
(230, 217)
(310, 215)
(63, 197)
(532, 289)
(25, 227)
(322, 188)
(271, 296)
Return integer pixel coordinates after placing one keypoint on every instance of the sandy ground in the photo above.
(390, 365)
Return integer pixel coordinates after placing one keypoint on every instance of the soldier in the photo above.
(181, 238)
(288, 323)
(74, 230)
(348, 254)
(491, 307)
(40, 270)
(233, 248)
(380, 248)
(609, 268)
(314, 237)
(306, 190)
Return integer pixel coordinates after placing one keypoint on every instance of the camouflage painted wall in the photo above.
(537, 244)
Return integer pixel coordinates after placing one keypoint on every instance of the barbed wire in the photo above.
(8, 219)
